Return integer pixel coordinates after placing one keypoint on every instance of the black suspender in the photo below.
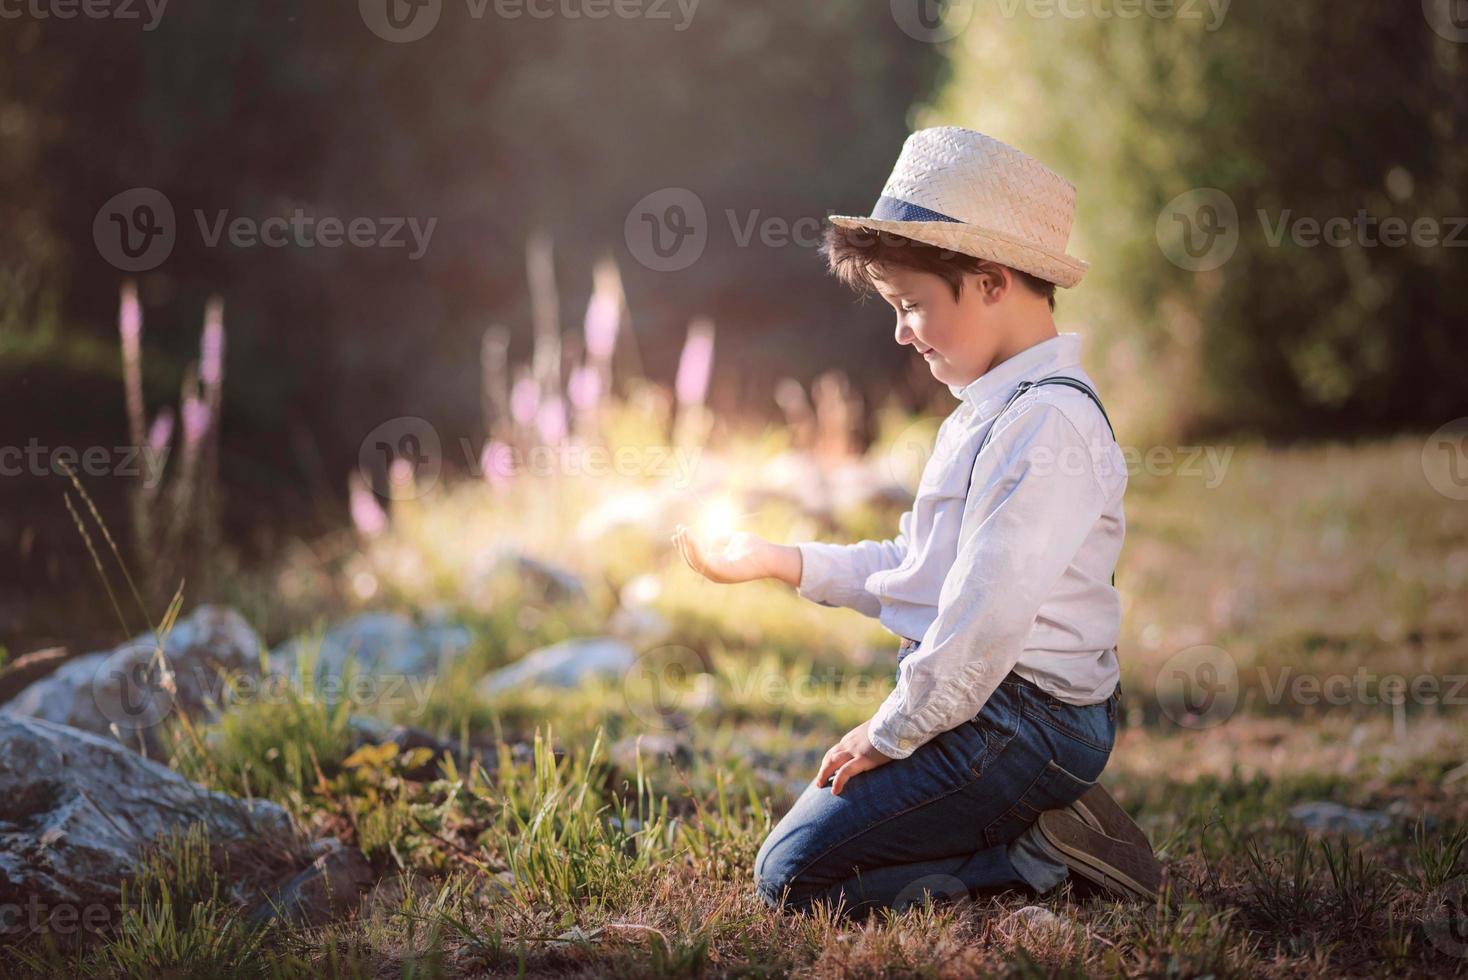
(1056, 379)
(1024, 386)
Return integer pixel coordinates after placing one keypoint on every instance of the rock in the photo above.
(544, 580)
(497, 887)
(77, 810)
(129, 688)
(569, 663)
(328, 889)
(643, 626)
(654, 748)
(1330, 817)
(25, 670)
(377, 644)
(1038, 917)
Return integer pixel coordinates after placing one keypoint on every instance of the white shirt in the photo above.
(1013, 575)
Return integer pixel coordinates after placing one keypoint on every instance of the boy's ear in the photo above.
(992, 281)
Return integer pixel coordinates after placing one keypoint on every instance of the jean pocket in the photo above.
(1093, 725)
(1053, 787)
(997, 724)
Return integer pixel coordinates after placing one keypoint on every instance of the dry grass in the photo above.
(1300, 561)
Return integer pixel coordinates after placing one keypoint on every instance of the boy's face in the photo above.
(959, 339)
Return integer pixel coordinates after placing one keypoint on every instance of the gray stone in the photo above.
(569, 663)
(654, 749)
(546, 581)
(330, 888)
(1038, 917)
(379, 644)
(1330, 817)
(77, 811)
(136, 691)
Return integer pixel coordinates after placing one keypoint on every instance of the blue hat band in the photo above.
(896, 209)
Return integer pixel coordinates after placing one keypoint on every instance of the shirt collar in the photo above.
(987, 392)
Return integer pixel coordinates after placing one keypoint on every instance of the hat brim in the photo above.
(1057, 267)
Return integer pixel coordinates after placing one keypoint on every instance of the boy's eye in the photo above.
(909, 307)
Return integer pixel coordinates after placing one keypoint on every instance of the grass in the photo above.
(564, 858)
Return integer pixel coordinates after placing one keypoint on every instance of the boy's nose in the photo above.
(904, 333)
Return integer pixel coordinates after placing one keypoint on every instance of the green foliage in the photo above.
(1302, 110)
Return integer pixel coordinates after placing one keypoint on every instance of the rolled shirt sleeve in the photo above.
(836, 574)
(1026, 516)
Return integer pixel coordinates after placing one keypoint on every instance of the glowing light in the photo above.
(718, 521)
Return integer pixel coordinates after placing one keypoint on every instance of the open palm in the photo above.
(738, 561)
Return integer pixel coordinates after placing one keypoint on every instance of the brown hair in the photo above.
(853, 253)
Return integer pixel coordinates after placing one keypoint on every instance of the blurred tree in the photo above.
(1312, 110)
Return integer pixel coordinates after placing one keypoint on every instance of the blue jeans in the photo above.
(939, 823)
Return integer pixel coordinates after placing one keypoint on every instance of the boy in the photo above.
(978, 771)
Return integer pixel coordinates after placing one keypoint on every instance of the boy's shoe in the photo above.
(1119, 866)
(1102, 812)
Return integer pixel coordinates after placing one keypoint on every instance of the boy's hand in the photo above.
(853, 754)
(744, 558)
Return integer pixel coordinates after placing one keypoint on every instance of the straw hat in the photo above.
(962, 190)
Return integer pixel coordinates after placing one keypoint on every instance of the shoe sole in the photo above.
(1114, 865)
(1099, 809)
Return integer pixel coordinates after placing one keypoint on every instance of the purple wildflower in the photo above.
(696, 363)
